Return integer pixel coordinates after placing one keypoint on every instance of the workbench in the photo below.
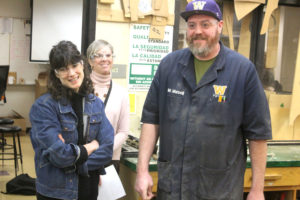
(282, 173)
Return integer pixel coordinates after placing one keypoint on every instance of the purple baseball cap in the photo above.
(206, 7)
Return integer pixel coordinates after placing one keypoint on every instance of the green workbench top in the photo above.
(278, 156)
(282, 156)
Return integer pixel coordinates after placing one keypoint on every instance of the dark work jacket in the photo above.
(203, 127)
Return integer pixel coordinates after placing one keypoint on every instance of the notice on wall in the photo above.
(132, 103)
(146, 54)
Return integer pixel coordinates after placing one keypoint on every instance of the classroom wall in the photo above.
(118, 34)
(15, 8)
(21, 96)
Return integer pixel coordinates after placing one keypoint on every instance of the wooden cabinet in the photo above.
(278, 179)
(282, 173)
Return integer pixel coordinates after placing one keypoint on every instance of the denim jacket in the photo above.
(55, 160)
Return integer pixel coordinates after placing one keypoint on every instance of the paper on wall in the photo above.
(6, 25)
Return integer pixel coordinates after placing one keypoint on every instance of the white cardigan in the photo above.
(116, 110)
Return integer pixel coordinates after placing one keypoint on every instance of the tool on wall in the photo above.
(271, 6)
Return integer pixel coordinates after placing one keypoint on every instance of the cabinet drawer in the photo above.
(277, 176)
(154, 179)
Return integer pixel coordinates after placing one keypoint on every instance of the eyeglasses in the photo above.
(204, 24)
(63, 71)
(101, 56)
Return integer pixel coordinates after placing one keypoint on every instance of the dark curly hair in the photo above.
(62, 55)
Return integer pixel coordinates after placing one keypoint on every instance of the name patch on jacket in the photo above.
(219, 92)
(175, 91)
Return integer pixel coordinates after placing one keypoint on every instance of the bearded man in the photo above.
(204, 103)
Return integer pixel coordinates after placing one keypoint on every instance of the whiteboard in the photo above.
(53, 21)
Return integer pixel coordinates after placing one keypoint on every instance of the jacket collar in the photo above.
(188, 72)
(65, 106)
(188, 69)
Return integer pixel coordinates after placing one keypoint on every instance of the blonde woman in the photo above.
(100, 56)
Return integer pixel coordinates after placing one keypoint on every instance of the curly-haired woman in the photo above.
(71, 136)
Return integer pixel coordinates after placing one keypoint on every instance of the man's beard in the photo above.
(202, 51)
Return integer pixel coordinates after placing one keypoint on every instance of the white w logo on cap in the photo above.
(198, 5)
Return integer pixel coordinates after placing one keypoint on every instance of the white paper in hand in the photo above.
(111, 186)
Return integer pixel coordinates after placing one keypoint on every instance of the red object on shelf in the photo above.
(282, 197)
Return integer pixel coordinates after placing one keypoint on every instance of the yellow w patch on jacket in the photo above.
(219, 89)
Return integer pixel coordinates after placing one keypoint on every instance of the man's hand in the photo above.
(148, 139)
(253, 195)
(258, 155)
(143, 185)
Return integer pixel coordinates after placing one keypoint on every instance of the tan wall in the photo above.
(15, 8)
(117, 33)
(21, 97)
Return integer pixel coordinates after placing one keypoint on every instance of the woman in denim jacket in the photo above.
(70, 134)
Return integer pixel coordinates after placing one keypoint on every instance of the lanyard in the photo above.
(108, 93)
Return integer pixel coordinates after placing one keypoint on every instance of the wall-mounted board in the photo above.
(53, 21)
